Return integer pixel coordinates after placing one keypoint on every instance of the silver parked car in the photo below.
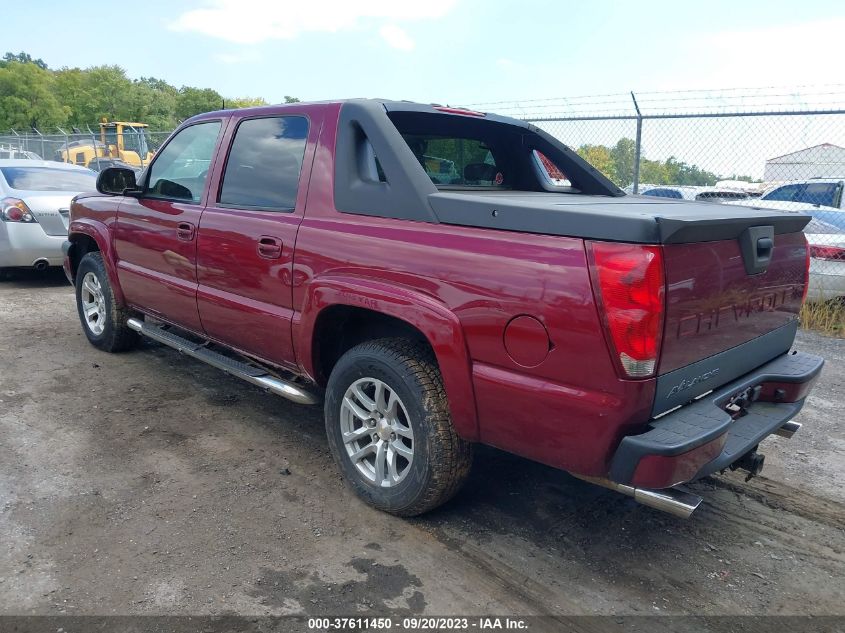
(35, 200)
(827, 257)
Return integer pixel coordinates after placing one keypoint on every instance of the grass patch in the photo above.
(827, 317)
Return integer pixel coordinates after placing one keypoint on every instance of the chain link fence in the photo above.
(770, 147)
(89, 148)
(774, 148)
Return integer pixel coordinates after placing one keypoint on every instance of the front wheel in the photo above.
(103, 321)
(390, 430)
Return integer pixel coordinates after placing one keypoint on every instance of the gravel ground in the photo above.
(147, 483)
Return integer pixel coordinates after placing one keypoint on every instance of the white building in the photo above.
(819, 161)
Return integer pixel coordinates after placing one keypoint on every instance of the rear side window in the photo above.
(823, 193)
(264, 164)
(49, 179)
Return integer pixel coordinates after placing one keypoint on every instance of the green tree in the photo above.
(601, 158)
(33, 94)
(654, 172)
(71, 89)
(22, 58)
(191, 101)
(27, 98)
(245, 102)
(624, 155)
(153, 101)
(109, 93)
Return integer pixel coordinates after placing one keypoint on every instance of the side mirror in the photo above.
(115, 181)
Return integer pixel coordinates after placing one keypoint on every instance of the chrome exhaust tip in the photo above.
(675, 501)
(40, 265)
(672, 500)
(788, 429)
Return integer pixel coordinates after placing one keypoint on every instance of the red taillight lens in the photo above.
(827, 252)
(630, 283)
(15, 210)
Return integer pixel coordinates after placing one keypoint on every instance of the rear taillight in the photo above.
(630, 281)
(820, 251)
(15, 210)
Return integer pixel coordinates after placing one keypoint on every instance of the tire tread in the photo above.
(450, 456)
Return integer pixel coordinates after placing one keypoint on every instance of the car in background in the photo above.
(819, 192)
(681, 192)
(14, 152)
(35, 200)
(827, 260)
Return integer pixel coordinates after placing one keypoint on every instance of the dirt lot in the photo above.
(146, 483)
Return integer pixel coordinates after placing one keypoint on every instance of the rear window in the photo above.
(456, 160)
(467, 152)
(49, 179)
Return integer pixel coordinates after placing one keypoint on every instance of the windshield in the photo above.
(49, 179)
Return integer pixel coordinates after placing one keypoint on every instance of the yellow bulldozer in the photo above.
(119, 140)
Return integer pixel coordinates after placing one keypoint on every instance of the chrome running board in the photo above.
(250, 373)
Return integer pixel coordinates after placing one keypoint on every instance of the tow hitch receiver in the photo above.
(751, 462)
(739, 404)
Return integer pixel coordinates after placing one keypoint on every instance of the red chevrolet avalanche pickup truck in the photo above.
(442, 277)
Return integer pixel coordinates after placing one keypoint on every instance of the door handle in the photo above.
(269, 247)
(185, 231)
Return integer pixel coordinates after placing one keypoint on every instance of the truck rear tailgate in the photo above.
(722, 321)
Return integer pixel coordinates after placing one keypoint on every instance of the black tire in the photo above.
(441, 459)
(116, 336)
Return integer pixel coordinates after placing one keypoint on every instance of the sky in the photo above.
(446, 51)
(527, 59)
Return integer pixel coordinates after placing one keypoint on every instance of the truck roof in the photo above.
(389, 105)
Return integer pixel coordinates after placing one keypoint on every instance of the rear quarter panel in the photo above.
(568, 408)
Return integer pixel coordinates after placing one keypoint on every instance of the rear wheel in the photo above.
(389, 427)
(103, 321)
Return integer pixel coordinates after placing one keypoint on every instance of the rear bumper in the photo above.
(21, 245)
(701, 438)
